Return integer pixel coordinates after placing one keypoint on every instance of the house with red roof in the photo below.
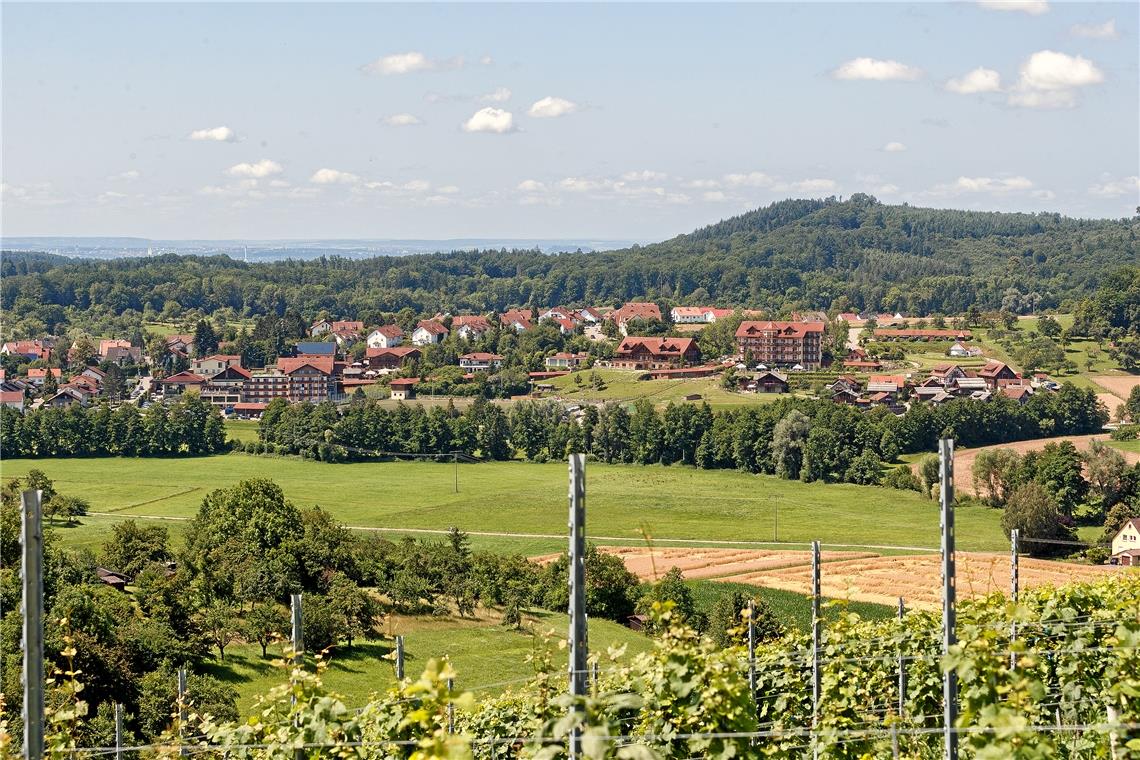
(565, 360)
(998, 374)
(1126, 544)
(388, 359)
(32, 350)
(785, 344)
(688, 315)
(655, 353)
(470, 326)
(209, 366)
(385, 336)
(646, 311)
(179, 383)
(404, 388)
(516, 319)
(14, 399)
(480, 361)
(37, 375)
(428, 332)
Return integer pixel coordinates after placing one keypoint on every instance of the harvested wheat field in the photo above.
(649, 563)
(964, 458)
(1118, 385)
(918, 578)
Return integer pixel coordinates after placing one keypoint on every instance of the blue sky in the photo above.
(631, 121)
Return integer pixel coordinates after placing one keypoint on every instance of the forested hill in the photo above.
(851, 254)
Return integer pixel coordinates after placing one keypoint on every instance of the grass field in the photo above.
(488, 657)
(624, 502)
(241, 430)
(623, 385)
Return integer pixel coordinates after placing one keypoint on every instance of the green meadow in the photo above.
(625, 503)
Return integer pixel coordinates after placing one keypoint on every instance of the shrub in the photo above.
(902, 478)
(1125, 433)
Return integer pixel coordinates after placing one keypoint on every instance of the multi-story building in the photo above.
(302, 378)
(480, 361)
(782, 344)
(655, 353)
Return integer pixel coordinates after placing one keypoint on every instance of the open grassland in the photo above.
(623, 385)
(241, 430)
(488, 657)
(506, 499)
(917, 578)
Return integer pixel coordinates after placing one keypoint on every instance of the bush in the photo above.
(1097, 555)
(902, 478)
(1125, 433)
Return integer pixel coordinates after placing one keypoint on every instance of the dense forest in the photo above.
(820, 254)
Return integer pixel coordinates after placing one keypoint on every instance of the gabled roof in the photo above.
(389, 331)
(404, 382)
(232, 372)
(40, 373)
(183, 378)
(635, 310)
(993, 368)
(482, 356)
(393, 351)
(673, 347)
(180, 338)
(220, 358)
(11, 397)
(105, 345)
(323, 364)
(431, 326)
(471, 321)
(516, 316)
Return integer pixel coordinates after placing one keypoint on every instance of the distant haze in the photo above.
(270, 250)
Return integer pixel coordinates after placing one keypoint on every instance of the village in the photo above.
(339, 358)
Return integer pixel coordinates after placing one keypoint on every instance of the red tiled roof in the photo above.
(390, 331)
(11, 397)
(474, 321)
(183, 378)
(42, 372)
(482, 356)
(222, 358)
(394, 351)
(673, 347)
(899, 380)
(290, 365)
(787, 329)
(635, 310)
(404, 382)
(433, 327)
(250, 406)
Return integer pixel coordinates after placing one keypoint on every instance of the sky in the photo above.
(634, 121)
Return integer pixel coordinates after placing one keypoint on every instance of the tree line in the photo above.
(844, 255)
(187, 427)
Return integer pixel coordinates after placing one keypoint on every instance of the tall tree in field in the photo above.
(1033, 512)
(788, 441)
(205, 339)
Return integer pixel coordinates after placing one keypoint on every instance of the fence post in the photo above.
(902, 663)
(182, 712)
(118, 731)
(1014, 588)
(298, 638)
(949, 593)
(752, 646)
(816, 643)
(450, 707)
(32, 606)
(578, 631)
(399, 658)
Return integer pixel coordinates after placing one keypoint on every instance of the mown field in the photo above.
(489, 657)
(623, 385)
(625, 503)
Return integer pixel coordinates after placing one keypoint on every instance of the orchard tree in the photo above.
(133, 547)
(265, 623)
(1032, 510)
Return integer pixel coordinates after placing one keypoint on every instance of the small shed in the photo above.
(404, 388)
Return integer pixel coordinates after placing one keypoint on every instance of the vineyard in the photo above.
(1056, 674)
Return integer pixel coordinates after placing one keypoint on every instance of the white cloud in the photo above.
(579, 184)
(408, 63)
(752, 179)
(1044, 195)
(980, 79)
(714, 196)
(448, 189)
(531, 186)
(877, 70)
(550, 107)
(1042, 99)
(1105, 31)
(1049, 80)
(813, 186)
(262, 168)
(333, 177)
(644, 176)
(1049, 70)
(128, 176)
(402, 120)
(894, 147)
(214, 134)
(886, 189)
(1032, 7)
(1112, 188)
(500, 95)
(989, 185)
(490, 119)
(486, 60)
